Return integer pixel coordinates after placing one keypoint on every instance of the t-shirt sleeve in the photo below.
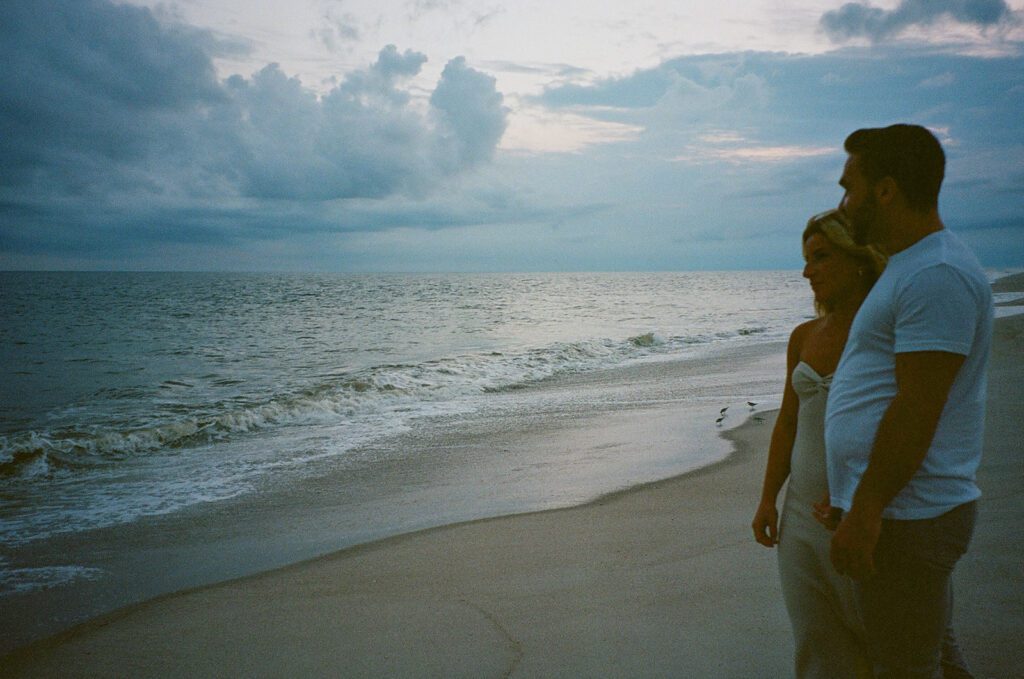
(936, 311)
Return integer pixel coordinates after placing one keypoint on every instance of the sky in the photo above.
(485, 135)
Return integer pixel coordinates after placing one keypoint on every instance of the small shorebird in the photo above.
(722, 411)
(751, 404)
(719, 420)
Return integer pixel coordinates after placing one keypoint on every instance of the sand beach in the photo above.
(659, 580)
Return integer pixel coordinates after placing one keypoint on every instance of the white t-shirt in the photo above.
(932, 296)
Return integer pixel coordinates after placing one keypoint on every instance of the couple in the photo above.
(880, 429)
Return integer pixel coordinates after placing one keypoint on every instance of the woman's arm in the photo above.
(766, 519)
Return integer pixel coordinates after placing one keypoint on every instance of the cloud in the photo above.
(795, 100)
(756, 153)
(134, 236)
(86, 85)
(337, 32)
(699, 84)
(554, 70)
(639, 90)
(467, 16)
(123, 148)
(862, 20)
(471, 116)
(743, 142)
(672, 104)
(104, 109)
(417, 8)
(364, 139)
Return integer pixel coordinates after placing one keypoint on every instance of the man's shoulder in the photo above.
(955, 253)
(940, 281)
(946, 261)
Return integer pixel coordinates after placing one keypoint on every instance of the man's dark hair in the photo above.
(910, 154)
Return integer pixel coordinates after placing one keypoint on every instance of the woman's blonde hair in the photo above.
(835, 228)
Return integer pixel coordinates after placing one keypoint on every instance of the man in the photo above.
(905, 413)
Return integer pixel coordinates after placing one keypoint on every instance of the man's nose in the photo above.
(807, 270)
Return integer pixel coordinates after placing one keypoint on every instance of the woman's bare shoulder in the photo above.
(801, 331)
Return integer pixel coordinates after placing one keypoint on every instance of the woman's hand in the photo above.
(766, 524)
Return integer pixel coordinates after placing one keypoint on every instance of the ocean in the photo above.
(324, 410)
(162, 431)
(130, 394)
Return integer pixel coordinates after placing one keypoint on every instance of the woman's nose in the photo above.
(807, 270)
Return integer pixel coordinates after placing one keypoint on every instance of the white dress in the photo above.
(827, 631)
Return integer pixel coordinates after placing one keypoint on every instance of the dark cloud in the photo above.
(134, 233)
(104, 109)
(641, 89)
(697, 110)
(87, 84)
(862, 20)
(120, 145)
(780, 98)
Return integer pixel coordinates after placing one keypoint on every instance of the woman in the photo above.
(826, 629)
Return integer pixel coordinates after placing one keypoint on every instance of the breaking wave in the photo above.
(361, 396)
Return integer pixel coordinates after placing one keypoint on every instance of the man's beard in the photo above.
(864, 222)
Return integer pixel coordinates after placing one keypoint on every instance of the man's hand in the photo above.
(825, 514)
(853, 545)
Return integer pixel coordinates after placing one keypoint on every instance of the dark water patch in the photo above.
(170, 384)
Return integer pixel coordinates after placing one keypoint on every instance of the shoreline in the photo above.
(474, 624)
(560, 444)
(603, 588)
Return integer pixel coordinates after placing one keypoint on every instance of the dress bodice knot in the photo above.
(808, 480)
(808, 383)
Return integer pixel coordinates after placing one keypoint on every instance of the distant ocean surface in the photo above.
(132, 394)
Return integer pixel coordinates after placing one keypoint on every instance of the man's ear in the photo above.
(886, 190)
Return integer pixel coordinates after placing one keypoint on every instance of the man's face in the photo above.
(859, 203)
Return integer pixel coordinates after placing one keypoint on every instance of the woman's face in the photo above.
(833, 274)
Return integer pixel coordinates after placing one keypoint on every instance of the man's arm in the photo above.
(923, 381)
